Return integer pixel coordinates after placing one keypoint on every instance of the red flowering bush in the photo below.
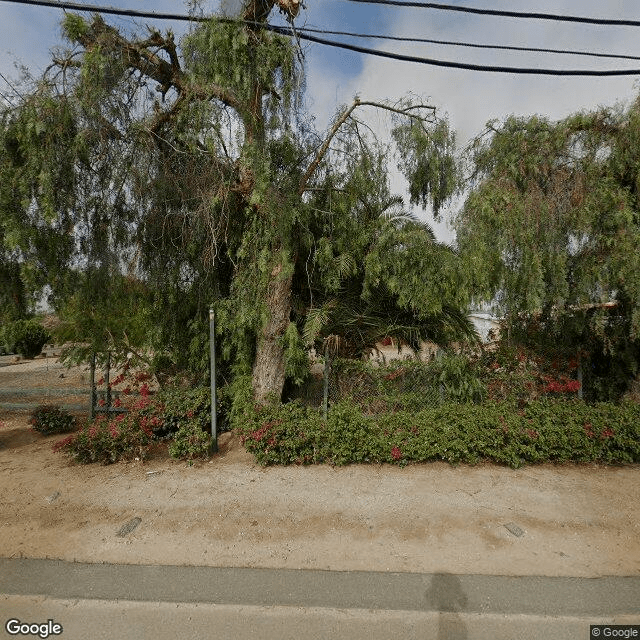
(132, 387)
(179, 416)
(124, 437)
(561, 385)
(519, 374)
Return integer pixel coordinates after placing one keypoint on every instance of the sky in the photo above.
(469, 99)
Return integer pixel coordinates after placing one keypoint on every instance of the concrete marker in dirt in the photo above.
(128, 527)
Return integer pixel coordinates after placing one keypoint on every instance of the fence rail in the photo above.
(40, 392)
(26, 406)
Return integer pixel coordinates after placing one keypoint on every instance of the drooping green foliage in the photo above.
(428, 162)
(146, 181)
(551, 226)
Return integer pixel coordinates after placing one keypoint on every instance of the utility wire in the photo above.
(473, 45)
(6, 99)
(341, 45)
(12, 87)
(77, 6)
(464, 65)
(506, 14)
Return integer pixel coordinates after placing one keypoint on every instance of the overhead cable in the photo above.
(12, 87)
(463, 65)
(341, 45)
(506, 14)
(78, 6)
(474, 45)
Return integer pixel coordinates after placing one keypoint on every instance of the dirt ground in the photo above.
(569, 520)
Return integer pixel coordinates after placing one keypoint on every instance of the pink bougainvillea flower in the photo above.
(396, 454)
(144, 425)
(144, 390)
(58, 446)
(573, 386)
(141, 403)
(117, 402)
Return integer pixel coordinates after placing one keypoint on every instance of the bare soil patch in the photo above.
(574, 520)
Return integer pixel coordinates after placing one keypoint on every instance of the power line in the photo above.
(77, 6)
(6, 99)
(464, 65)
(341, 45)
(507, 14)
(473, 45)
(12, 87)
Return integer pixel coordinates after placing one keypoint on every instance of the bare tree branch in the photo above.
(404, 111)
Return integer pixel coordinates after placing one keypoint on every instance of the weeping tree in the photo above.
(551, 229)
(170, 177)
(378, 270)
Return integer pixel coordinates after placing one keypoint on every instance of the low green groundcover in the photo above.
(543, 431)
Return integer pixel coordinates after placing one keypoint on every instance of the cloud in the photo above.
(472, 98)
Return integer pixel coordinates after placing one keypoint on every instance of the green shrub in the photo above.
(190, 442)
(48, 419)
(544, 431)
(25, 337)
(177, 407)
(184, 418)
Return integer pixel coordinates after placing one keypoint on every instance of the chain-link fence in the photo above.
(403, 385)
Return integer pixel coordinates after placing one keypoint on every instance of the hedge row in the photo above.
(543, 431)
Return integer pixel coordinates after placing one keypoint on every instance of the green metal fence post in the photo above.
(92, 380)
(212, 349)
(106, 381)
(580, 389)
(325, 390)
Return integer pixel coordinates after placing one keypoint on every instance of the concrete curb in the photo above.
(473, 594)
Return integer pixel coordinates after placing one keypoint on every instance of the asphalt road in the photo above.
(96, 601)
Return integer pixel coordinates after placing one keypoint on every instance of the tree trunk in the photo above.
(268, 368)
